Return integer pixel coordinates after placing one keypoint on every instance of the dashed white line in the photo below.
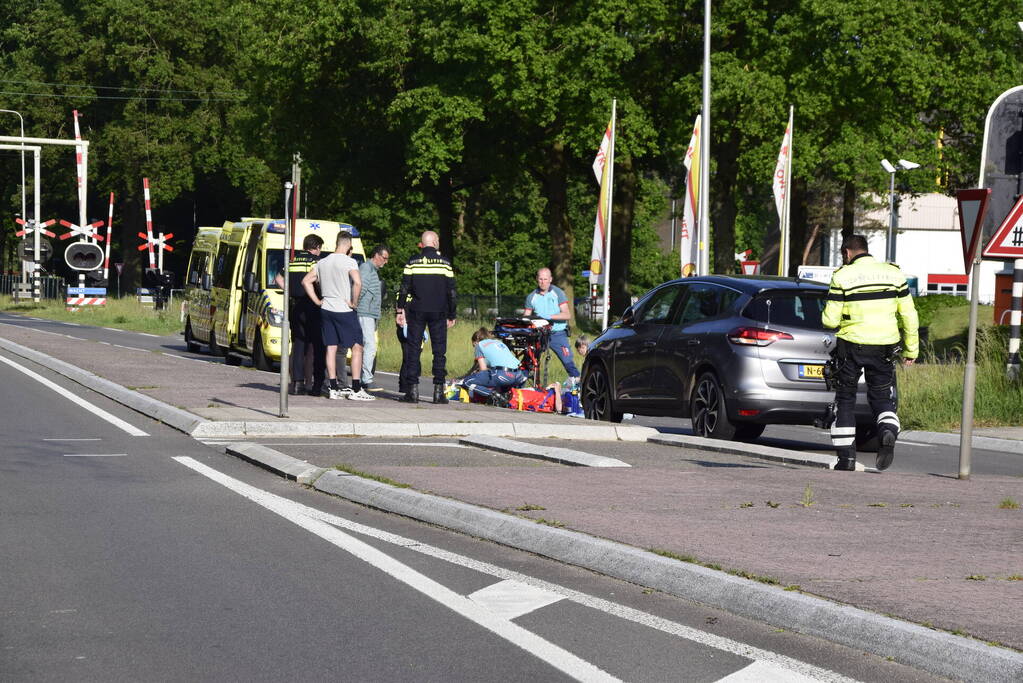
(621, 611)
(95, 410)
(559, 658)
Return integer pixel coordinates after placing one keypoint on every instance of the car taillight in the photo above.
(756, 336)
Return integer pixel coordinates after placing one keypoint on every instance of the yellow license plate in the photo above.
(811, 372)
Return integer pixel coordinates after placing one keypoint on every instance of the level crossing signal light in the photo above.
(84, 256)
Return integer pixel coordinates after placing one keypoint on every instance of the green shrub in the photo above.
(927, 305)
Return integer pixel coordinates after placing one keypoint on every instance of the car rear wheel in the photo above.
(597, 401)
(709, 415)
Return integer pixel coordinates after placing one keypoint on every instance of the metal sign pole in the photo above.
(969, 379)
(285, 326)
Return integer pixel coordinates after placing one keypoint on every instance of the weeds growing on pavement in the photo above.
(529, 506)
(1008, 504)
(125, 313)
(807, 499)
(366, 475)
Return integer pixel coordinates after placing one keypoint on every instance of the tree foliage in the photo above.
(480, 118)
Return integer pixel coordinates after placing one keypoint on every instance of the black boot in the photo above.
(846, 460)
(412, 395)
(296, 388)
(438, 394)
(886, 448)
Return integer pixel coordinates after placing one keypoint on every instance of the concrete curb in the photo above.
(209, 428)
(990, 443)
(563, 456)
(752, 450)
(937, 652)
(277, 462)
(175, 417)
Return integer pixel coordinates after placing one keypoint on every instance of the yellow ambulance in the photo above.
(246, 306)
(195, 308)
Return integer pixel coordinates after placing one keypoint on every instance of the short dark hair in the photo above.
(855, 243)
(312, 242)
(379, 249)
(343, 235)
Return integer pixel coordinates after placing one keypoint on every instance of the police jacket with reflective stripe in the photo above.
(297, 268)
(429, 283)
(869, 303)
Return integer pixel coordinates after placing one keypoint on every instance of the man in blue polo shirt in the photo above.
(548, 301)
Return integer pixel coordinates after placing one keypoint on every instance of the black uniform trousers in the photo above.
(877, 363)
(418, 322)
(307, 349)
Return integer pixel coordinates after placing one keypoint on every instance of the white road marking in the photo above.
(95, 455)
(146, 334)
(510, 599)
(914, 443)
(764, 672)
(606, 606)
(95, 410)
(130, 348)
(557, 657)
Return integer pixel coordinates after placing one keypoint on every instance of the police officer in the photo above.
(869, 302)
(428, 284)
(307, 352)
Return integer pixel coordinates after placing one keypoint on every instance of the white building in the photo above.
(928, 245)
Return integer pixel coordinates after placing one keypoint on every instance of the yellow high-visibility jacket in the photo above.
(869, 303)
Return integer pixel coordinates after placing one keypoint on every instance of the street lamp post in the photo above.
(22, 119)
(891, 169)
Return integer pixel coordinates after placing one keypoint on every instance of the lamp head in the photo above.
(908, 165)
(887, 166)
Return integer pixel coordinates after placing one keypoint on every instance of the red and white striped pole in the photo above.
(80, 166)
(110, 228)
(149, 223)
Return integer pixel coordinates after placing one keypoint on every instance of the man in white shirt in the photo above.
(340, 283)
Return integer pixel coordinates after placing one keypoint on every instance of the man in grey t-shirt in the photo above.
(340, 283)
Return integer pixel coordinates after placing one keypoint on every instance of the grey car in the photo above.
(733, 354)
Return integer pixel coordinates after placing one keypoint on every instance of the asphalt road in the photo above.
(909, 456)
(132, 552)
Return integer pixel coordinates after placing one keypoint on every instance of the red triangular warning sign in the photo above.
(1007, 242)
(972, 207)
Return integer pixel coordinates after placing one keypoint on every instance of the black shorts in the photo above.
(341, 329)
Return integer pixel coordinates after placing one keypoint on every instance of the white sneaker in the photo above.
(338, 394)
(360, 395)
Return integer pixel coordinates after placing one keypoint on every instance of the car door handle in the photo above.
(650, 342)
(693, 342)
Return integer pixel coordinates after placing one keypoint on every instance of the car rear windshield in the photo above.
(795, 308)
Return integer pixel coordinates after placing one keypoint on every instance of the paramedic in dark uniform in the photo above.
(428, 284)
(869, 302)
(308, 366)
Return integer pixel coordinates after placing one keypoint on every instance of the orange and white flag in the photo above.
(689, 242)
(601, 169)
(783, 170)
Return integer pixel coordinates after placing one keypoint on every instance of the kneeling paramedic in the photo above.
(869, 302)
(498, 368)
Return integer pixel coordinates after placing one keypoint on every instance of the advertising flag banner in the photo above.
(688, 240)
(780, 184)
(601, 169)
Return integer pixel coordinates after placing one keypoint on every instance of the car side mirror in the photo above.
(250, 282)
(629, 316)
